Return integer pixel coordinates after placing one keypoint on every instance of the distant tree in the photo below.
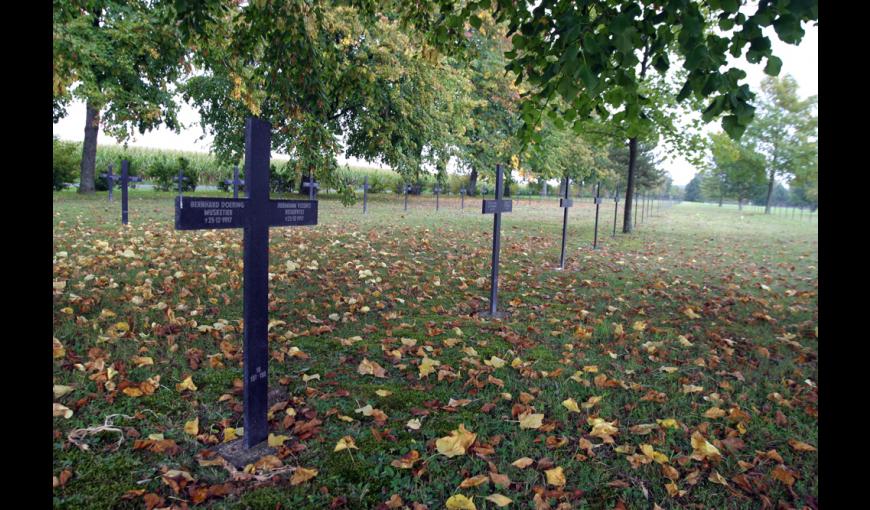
(693, 190)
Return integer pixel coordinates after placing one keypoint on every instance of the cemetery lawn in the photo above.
(675, 366)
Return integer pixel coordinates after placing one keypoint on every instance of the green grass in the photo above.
(429, 264)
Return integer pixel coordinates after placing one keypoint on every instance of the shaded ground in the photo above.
(702, 323)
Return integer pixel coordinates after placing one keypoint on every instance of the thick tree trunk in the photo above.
(770, 183)
(472, 182)
(629, 188)
(89, 149)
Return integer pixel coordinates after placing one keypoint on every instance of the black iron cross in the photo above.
(496, 208)
(126, 178)
(615, 210)
(236, 182)
(565, 203)
(109, 176)
(365, 194)
(255, 215)
(407, 190)
(312, 186)
(181, 178)
(598, 202)
(462, 198)
(437, 190)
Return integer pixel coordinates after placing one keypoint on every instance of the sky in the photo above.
(802, 62)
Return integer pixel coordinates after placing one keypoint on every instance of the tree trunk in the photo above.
(89, 149)
(472, 183)
(769, 191)
(629, 188)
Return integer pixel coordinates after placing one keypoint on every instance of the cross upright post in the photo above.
(635, 209)
(597, 205)
(407, 190)
(615, 210)
(565, 203)
(181, 178)
(366, 194)
(254, 214)
(437, 190)
(109, 176)
(462, 198)
(126, 178)
(496, 208)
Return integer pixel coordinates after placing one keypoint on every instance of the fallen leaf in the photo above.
(499, 500)
(459, 502)
(301, 475)
(456, 443)
(556, 477)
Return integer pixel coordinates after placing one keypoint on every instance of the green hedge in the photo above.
(65, 163)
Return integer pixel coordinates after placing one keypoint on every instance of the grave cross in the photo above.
(598, 202)
(312, 186)
(366, 194)
(109, 176)
(615, 210)
(181, 178)
(254, 214)
(437, 190)
(565, 203)
(236, 182)
(635, 209)
(496, 208)
(462, 198)
(407, 190)
(126, 178)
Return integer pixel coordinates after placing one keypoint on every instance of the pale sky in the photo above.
(802, 62)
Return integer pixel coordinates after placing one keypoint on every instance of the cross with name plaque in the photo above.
(598, 202)
(236, 182)
(565, 203)
(126, 178)
(254, 214)
(109, 176)
(496, 208)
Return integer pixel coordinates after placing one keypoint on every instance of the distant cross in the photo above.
(437, 190)
(462, 198)
(565, 203)
(544, 189)
(236, 182)
(496, 208)
(254, 214)
(181, 178)
(407, 190)
(109, 176)
(598, 202)
(366, 194)
(615, 210)
(312, 186)
(126, 178)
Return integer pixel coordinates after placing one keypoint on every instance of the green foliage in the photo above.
(693, 190)
(65, 162)
(737, 168)
(588, 54)
(164, 173)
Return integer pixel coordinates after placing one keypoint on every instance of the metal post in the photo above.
(366, 194)
(597, 204)
(615, 210)
(496, 242)
(564, 228)
(111, 179)
(236, 181)
(125, 176)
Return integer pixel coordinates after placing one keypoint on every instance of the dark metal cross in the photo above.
(109, 176)
(407, 190)
(496, 208)
(437, 190)
(565, 203)
(236, 182)
(462, 198)
(126, 178)
(366, 194)
(254, 214)
(615, 210)
(181, 178)
(312, 186)
(598, 202)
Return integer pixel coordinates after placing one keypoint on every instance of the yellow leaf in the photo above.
(302, 475)
(474, 481)
(499, 500)
(591, 402)
(132, 391)
(345, 443)
(62, 410)
(571, 405)
(367, 367)
(648, 450)
(186, 384)
(413, 424)
(516, 362)
(58, 350)
(555, 476)
(306, 377)
(714, 412)
(383, 393)
(691, 388)
(366, 410)
(276, 440)
(456, 443)
(702, 449)
(192, 427)
(495, 362)
(668, 423)
(427, 366)
(794, 443)
(715, 477)
(522, 462)
(142, 361)
(639, 325)
(229, 434)
(460, 502)
(602, 429)
(531, 421)
(61, 390)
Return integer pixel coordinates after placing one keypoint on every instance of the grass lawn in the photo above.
(689, 347)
